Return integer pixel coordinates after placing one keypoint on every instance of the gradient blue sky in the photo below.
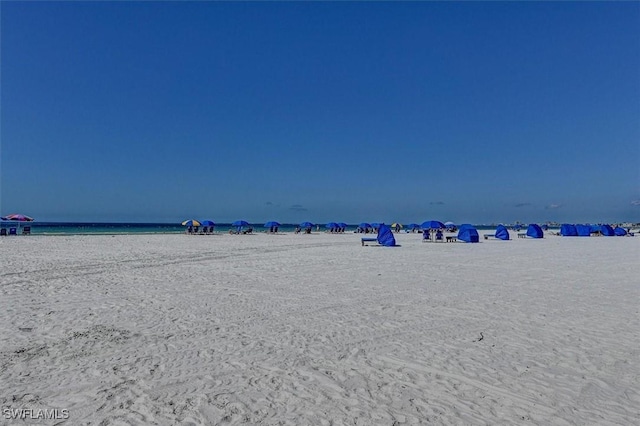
(381, 111)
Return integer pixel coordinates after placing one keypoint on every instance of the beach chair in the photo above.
(426, 236)
(366, 241)
(487, 236)
(439, 236)
(13, 231)
(3, 231)
(26, 230)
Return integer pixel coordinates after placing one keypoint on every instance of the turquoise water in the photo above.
(75, 228)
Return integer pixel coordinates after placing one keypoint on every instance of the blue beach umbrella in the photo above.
(271, 223)
(331, 225)
(342, 225)
(240, 223)
(207, 223)
(432, 224)
(376, 225)
(413, 226)
(365, 225)
(306, 225)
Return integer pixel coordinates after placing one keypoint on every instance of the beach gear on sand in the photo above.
(534, 231)
(502, 233)
(385, 236)
(468, 233)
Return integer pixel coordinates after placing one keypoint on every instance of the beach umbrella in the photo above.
(397, 225)
(306, 225)
(240, 223)
(342, 225)
(376, 225)
(331, 225)
(15, 217)
(191, 222)
(432, 224)
(271, 223)
(413, 226)
(207, 223)
(365, 225)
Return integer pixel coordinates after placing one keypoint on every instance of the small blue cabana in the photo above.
(468, 234)
(620, 232)
(583, 230)
(502, 233)
(534, 231)
(607, 230)
(568, 230)
(385, 236)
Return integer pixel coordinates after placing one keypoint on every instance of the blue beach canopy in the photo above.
(583, 230)
(568, 230)
(502, 233)
(620, 232)
(432, 224)
(385, 236)
(468, 234)
(607, 230)
(534, 231)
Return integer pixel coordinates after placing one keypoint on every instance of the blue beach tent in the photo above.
(385, 236)
(620, 232)
(607, 230)
(534, 231)
(468, 234)
(583, 230)
(568, 230)
(502, 233)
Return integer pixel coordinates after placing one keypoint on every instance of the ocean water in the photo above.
(76, 228)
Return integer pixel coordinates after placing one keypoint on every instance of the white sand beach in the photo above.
(318, 330)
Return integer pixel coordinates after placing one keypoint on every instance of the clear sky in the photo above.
(346, 111)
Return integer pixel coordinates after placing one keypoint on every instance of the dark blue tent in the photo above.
(583, 230)
(502, 233)
(568, 230)
(534, 231)
(385, 236)
(468, 234)
(607, 230)
(620, 232)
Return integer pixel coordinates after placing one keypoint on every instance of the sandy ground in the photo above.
(318, 330)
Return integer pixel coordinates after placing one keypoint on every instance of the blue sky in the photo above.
(381, 111)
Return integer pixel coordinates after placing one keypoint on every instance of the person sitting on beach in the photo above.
(297, 230)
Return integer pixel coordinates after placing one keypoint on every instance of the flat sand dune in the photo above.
(318, 330)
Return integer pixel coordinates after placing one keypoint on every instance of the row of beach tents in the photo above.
(582, 230)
